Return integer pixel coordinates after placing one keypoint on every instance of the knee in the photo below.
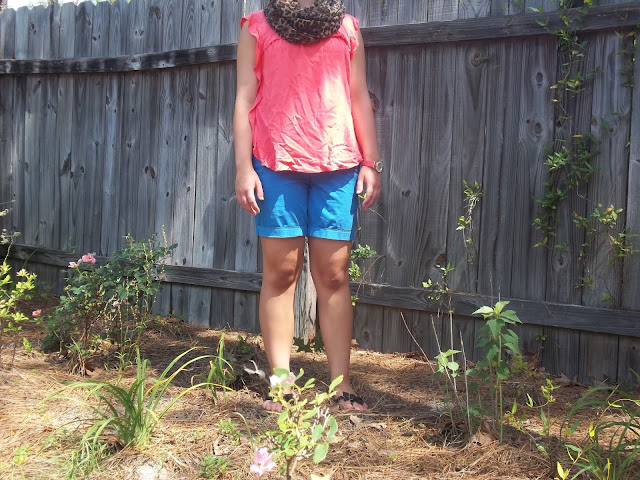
(282, 276)
(331, 279)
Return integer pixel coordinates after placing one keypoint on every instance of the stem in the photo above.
(499, 384)
(291, 466)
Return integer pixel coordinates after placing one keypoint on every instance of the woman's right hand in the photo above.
(248, 187)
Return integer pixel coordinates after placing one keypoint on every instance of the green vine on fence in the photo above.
(569, 159)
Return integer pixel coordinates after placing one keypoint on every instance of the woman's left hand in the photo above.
(368, 182)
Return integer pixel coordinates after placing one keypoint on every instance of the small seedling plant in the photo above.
(495, 338)
(305, 428)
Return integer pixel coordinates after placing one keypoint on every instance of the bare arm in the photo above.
(247, 182)
(365, 127)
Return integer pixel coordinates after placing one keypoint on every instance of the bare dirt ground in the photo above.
(405, 434)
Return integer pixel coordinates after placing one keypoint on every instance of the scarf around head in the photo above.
(304, 25)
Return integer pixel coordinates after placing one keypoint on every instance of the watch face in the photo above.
(378, 166)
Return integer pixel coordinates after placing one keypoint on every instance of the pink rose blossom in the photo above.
(88, 258)
(36, 313)
(284, 381)
(262, 461)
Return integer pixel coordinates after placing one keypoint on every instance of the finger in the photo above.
(259, 191)
(373, 192)
(360, 183)
(252, 204)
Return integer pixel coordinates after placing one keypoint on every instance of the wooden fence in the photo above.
(116, 119)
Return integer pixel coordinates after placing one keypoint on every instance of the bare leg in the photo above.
(329, 261)
(282, 262)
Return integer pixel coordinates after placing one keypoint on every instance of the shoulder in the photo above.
(255, 20)
(351, 24)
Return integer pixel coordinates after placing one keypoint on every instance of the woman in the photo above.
(305, 145)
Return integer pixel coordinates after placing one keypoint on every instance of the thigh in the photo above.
(282, 260)
(283, 212)
(333, 205)
(329, 258)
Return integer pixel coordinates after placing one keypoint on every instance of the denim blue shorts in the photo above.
(295, 204)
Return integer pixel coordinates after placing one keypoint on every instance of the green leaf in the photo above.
(483, 311)
(495, 325)
(320, 452)
(281, 372)
(543, 417)
(333, 427)
(511, 315)
(500, 305)
(502, 371)
(335, 383)
(316, 433)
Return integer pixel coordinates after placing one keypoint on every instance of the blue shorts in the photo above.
(295, 204)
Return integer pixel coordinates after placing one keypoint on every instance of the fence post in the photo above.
(305, 312)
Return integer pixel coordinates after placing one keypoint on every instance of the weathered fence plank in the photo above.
(470, 81)
(372, 224)
(7, 119)
(205, 219)
(494, 219)
(629, 356)
(64, 132)
(403, 192)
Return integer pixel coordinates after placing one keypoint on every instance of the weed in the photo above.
(305, 428)
(495, 338)
(127, 416)
(212, 466)
(611, 448)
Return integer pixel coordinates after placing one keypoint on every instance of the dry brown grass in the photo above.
(402, 437)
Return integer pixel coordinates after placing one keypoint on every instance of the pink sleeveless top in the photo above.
(301, 119)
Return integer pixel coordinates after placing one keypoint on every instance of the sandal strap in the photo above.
(349, 397)
(288, 397)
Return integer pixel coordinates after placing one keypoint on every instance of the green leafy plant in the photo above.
(112, 301)
(472, 194)
(11, 318)
(212, 466)
(125, 416)
(220, 372)
(305, 428)
(611, 447)
(495, 338)
(361, 252)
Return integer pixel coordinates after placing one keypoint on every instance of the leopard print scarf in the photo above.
(304, 25)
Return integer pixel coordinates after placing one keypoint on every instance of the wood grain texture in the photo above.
(535, 129)
(184, 163)
(206, 158)
(496, 219)
(474, 8)
(611, 112)
(34, 36)
(64, 133)
(404, 189)
(7, 121)
(471, 76)
(631, 280)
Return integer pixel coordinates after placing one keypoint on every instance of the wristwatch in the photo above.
(378, 166)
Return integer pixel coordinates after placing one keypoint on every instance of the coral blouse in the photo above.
(301, 119)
